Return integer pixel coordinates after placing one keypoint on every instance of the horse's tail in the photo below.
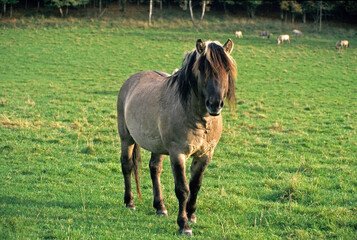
(137, 167)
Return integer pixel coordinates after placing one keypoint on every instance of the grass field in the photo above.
(285, 167)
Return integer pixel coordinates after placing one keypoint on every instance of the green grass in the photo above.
(285, 167)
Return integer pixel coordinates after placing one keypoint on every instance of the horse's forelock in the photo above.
(215, 62)
(220, 63)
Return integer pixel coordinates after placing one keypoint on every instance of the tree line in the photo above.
(289, 11)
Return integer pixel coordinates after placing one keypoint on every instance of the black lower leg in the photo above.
(155, 172)
(127, 167)
(197, 169)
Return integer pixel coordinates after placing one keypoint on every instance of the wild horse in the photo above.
(177, 115)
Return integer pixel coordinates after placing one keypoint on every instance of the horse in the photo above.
(297, 33)
(177, 115)
(265, 33)
(283, 38)
(342, 43)
(239, 34)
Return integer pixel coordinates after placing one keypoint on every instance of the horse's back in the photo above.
(140, 79)
(141, 84)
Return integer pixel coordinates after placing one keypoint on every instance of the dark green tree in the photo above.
(60, 4)
(292, 7)
(251, 7)
(8, 2)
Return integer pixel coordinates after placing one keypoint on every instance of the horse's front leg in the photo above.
(181, 190)
(198, 167)
(155, 172)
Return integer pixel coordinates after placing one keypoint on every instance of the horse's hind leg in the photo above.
(198, 167)
(155, 171)
(127, 166)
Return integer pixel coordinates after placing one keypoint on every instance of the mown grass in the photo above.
(285, 167)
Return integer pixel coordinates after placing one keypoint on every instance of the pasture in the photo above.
(285, 167)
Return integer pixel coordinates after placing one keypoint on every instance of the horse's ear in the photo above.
(200, 46)
(228, 46)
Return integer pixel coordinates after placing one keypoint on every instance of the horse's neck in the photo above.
(196, 110)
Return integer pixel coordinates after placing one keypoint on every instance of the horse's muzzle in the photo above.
(214, 114)
(214, 106)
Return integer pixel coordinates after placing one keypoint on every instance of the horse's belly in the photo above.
(149, 141)
(143, 127)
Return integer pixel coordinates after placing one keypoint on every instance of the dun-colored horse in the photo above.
(265, 33)
(297, 33)
(239, 34)
(283, 38)
(341, 44)
(177, 115)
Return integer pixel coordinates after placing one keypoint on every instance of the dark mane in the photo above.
(185, 78)
(214, 62)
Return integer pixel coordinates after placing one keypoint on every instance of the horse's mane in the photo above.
(213, 62)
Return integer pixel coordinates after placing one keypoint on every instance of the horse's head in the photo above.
(215, 70)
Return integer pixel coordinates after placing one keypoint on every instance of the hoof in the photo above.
(162, 213)
(187, 232)
(131, 207)
(192, 218)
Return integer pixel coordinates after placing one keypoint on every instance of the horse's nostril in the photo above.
(207, 103)
(221, 104)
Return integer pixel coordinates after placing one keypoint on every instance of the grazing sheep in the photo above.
(342, 43)
(239, 34)
(297, 32)
(265, 33)
(283, 38)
